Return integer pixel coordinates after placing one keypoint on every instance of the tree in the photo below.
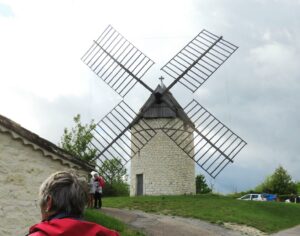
(115, 175)
(76, 140)
(201, 186)
(280, 182)
(113, 170)
(298, 187)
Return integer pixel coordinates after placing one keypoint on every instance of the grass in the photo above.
(268, 217)
(98, 217)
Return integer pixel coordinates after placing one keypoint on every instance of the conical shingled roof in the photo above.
(163, 107)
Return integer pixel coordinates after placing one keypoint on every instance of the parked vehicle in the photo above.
(259, 197)
(292, 199)
(253, 197)
(269, 197)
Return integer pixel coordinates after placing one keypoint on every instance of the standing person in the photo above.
(62, 198)
(91, 191)
(98, 190)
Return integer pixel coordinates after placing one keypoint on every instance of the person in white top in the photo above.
(97, 189)
(91, 191)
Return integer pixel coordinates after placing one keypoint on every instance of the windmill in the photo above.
(126, 134)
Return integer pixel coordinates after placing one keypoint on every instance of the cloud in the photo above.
(5, 10)
(273, 59)
(256, 93)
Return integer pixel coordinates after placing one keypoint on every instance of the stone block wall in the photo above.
(166, 169)
(23, 167)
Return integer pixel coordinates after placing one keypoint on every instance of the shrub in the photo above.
(116, 189)
(201, 186)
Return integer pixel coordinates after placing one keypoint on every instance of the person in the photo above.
(97, 187)
(62, 199)
(91, 191)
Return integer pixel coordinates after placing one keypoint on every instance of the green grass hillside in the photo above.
(98, 217)
(266, 216)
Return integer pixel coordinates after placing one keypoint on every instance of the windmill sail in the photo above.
(198, 60)
(215, 145)
(116, 61)
(112, 135)
(121, 65)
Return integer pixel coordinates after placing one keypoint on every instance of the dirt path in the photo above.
(162, 225)
(295, 231)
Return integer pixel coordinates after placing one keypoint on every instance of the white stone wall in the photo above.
(22, 170)
(166, 169)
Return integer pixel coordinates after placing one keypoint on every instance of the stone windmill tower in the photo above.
(163, 140)
(161, 167)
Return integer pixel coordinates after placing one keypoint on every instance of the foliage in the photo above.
(266, 216)
(76, 140)
(298, 187)
(116, 189)
(109, 222)
(115, 175)
(113, 170)
(201, 186)
(280, 182)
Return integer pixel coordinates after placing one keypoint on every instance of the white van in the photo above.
(253, 197)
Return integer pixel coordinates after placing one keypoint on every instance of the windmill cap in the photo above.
(94, 173)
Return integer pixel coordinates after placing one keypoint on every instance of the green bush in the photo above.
(201, 185)
(116, 189)
(298, 188)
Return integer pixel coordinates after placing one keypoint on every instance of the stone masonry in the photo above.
(166, 169)
(23, 167)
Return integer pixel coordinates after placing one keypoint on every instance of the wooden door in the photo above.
(139, 185)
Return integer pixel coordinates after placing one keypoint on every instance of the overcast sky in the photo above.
(256, 93)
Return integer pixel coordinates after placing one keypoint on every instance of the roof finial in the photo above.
(161, 81)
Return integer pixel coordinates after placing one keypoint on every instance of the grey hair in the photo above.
(68, 193)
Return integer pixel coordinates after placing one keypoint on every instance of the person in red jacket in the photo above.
(98, 184)
(62, 199)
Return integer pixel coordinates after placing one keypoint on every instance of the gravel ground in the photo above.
(162, 225)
